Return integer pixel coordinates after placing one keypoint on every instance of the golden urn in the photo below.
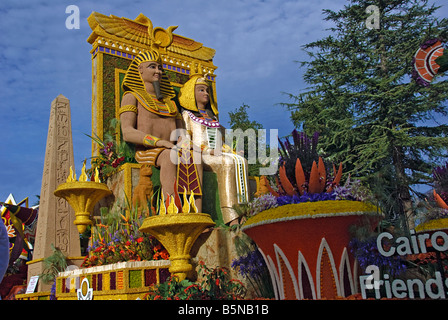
(82, 196)
(177, 232)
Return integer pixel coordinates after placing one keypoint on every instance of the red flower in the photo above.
(128, 243)
(140, 240)
(164, 255)
(115, 163)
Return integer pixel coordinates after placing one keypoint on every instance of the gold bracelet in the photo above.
(150, 141)
(126, 108)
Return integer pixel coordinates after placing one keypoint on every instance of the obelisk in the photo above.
(55, 221)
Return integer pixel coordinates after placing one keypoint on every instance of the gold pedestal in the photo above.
(82, 196)
(177, 232)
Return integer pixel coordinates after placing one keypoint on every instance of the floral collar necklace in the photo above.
(206, 122)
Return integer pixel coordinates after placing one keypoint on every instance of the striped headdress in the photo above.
(133, 81)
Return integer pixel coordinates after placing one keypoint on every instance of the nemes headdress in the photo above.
(187, 97)
(133, 82)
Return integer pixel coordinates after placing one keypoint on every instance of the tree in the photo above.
(239, 119)
(371, 115)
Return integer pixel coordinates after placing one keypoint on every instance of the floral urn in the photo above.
(305, 246)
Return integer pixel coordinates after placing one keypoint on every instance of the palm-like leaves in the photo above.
(293, 179)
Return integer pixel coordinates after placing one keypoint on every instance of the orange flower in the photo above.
(165, 255)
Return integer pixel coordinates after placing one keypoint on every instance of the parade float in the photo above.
(151, 229)
(136, 240)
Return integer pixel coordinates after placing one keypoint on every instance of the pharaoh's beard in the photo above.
(156, 85)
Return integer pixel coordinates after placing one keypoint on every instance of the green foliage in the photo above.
(172, 289)
(239, 119)
(53, 265)
(215, 285)
(371, 115)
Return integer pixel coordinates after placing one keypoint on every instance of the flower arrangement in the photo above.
(111, 154)
(118, 239)
(303, 176)
(215, 285)
(293, 179)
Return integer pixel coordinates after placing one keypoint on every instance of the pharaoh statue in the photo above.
(149, 118)
(200, 115)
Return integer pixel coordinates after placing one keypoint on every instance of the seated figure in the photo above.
(201, 123)
(149, 118)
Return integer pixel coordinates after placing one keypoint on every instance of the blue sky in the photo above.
(256, 42)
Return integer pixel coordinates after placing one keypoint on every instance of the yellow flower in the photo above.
(437, 224)
(318, 209)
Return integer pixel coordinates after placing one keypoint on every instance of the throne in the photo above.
(115, 43)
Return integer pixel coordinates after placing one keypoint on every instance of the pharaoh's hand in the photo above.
(164, 143)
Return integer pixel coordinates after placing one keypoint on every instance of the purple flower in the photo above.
(306, 197)
(440, 173)
(262, 203)
(428, 43)
(250, 265)
(366, 252)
